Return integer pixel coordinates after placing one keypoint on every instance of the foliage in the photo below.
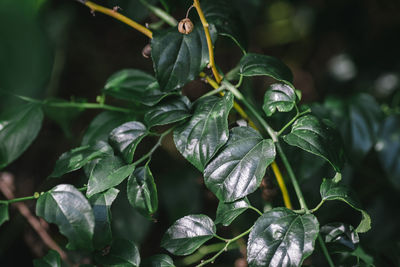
(234, 158)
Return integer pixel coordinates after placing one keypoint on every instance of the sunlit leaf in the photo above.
(331, 190)
(178, 58)
(207, 130)
(126, 137)
(227, 212)
(279, 97)
(18, 128)
(317, 137)
(340, 236)
(281, 237)
(159, 260)
(188, 234)
(237, 170)
(122, 253)
(101, 205)
(65, 206)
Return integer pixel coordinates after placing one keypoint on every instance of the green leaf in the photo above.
(319, 138)
(279, 97)
(237, 170)
(178, 58)
(188, 234)
(122, 253)
(227, 212)
(330, 190)
(101, 205)
(142, 191)
(281, 237)
(126, 137)
(159, 260)
(256, 65)
(65, 206)
(78, 157)
(106, 173)
(18, 128)
(207, 131)
(135, 86)
(388, 148)
(3, 213)
(52, 259)
(173, 110)
(340, 237)
(101, 126)
(225, 18)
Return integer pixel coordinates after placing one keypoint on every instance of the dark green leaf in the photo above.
(65, 206)
(122, 253)
(135, 86)
(126, 137)
(171, 111)
(279, 97)
(106, 173)
(282, 237)
(206, 132)
(52, 259)
(160, 260)
(388, 148)
(317, 137)
(101, 126)
(178, 58)
(225, 18)
(101, 205)
(239, 167)
(3, 213)
(227, 212)
(78, 157)
(341, 235)
(331, 190)
(18, 128)
(142, 191)
(188, 234)
(256, 65)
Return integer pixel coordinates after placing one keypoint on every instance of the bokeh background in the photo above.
(345, 58)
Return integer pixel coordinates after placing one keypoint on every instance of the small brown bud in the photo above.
(146, 52)
(185, 26)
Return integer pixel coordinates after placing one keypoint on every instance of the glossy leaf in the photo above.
(101, 205)
(159, 260)
(52, 259)
(188, 234)
(3, 213)
(388, 148)
(142, 191)
(237, 170)
(101, 126)
(225, 18)
(173, 110)
(331, 190)
(126, 137)
(106, 173)
(18, 128)
(256, 65)
(178, 58)
(78, 157)
(227, 212)
(279, 97)
(122, 253)
(207, 131)
(135, 86)
(317, 137)
(281, 237)
(341, 235)
(65, 206)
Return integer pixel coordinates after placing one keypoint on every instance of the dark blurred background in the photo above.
(336, 50)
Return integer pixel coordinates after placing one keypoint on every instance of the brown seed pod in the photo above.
(146, 52)
(185, 26)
